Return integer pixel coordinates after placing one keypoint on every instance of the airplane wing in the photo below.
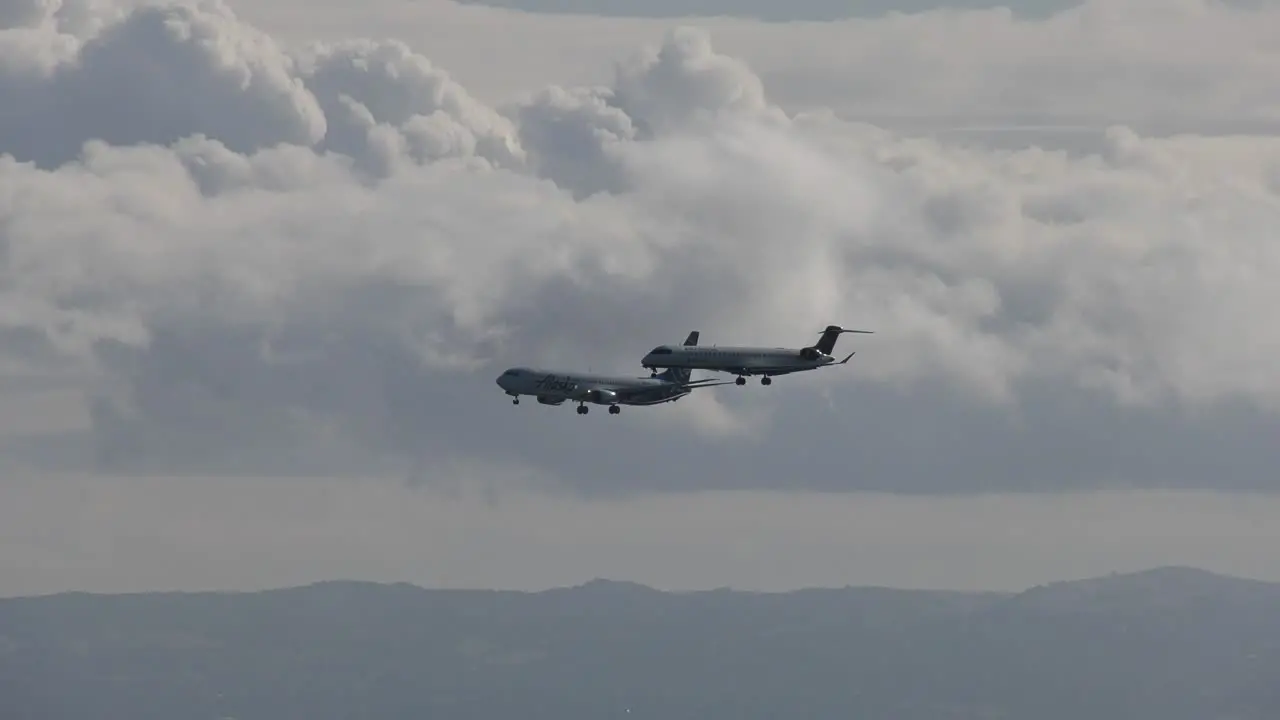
(626, 394)
(706, 383)
(632, 394)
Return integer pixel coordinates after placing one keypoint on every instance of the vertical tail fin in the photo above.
(680, 375)
(827, 343)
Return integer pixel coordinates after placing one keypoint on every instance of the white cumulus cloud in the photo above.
(317, 259)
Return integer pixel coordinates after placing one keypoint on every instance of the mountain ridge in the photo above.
(1165, 644)
(1163, 572)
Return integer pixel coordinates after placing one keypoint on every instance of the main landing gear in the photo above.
(613, 409)
(766, 380)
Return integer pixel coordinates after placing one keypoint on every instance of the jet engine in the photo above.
(810, 354)
(549, 400)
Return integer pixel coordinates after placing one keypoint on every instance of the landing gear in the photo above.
(515, 401)
(741, 380)
(583, 409)
(766, 380)
(614, 409)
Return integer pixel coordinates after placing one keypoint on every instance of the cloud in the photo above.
(1086, 65)
(765, 10)
(316, 260)
(1139, 62)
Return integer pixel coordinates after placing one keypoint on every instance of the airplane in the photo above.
(554, 388)
(743, 361)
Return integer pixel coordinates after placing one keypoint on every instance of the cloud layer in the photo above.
(316, 261)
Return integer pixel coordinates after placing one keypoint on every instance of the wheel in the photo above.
(766, 380)
(516, 401)
(614, 409)
(583, 409)
(741, 380)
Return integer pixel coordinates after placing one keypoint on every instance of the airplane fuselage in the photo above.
(737, 360)
(553, 388)
(743, 361)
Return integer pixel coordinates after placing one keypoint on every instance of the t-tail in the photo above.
(679, 375)
(827, 343)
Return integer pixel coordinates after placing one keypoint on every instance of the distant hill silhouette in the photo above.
(1167, 644)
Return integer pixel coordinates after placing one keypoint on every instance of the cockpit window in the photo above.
(662, 350)
(509, 373)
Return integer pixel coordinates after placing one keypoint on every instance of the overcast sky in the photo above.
(260, 264)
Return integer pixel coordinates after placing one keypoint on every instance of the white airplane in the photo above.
(743, 361)
(553, 388)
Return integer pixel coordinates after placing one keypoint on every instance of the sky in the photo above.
(260, 264)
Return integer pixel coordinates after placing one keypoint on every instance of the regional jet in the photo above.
(553, 388)
(743, 361)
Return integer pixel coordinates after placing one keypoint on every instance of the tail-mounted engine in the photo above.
(810, 353)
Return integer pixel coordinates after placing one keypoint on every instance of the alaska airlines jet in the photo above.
(743, 361)
(553, 388)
